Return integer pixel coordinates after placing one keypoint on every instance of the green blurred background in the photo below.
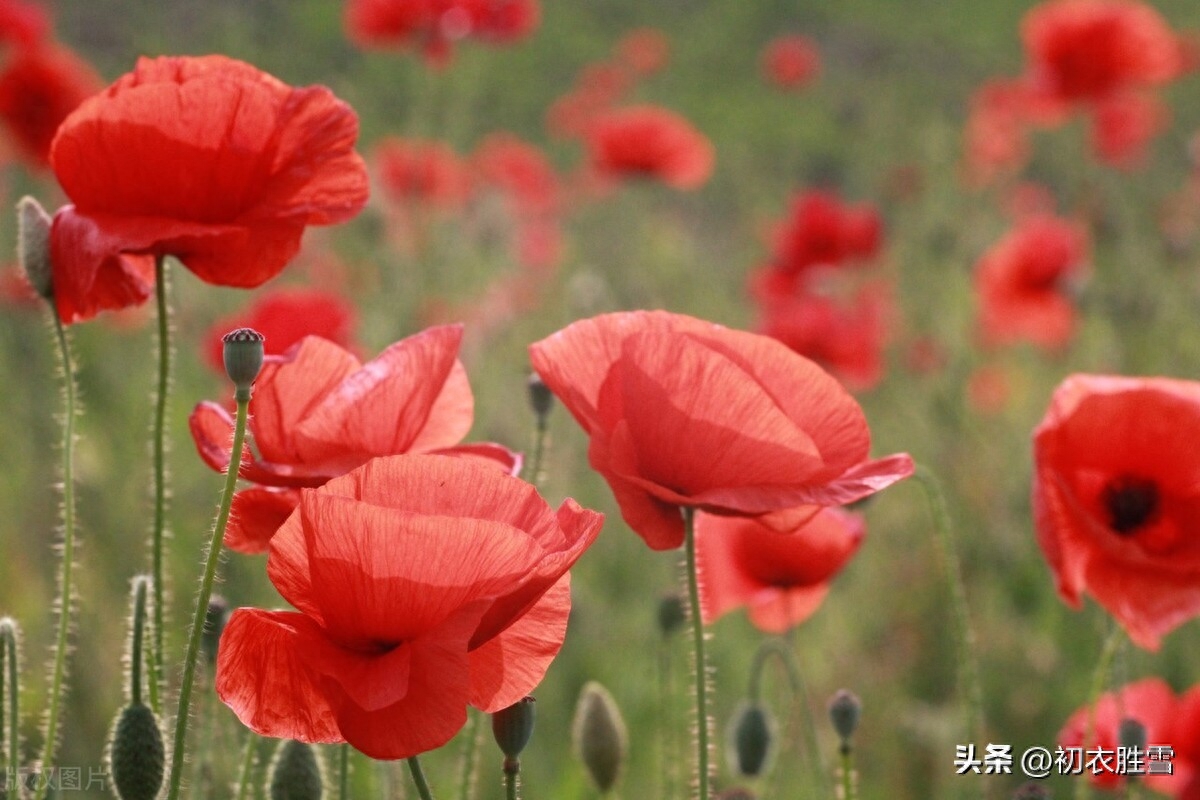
(893, 94)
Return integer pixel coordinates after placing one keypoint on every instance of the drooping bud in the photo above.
(243, 358)
(672, 614)
(844, 711)
(214, 626)
(541, 399)
(295, 773)
(750, 740)
(600, 738)
(33, 245)
(513, 726)
(137, 757)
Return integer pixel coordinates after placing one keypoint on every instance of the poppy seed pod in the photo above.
(541, 399)
(844, 711)
(513, 726)
(295, 773)
(750, 740)
(243, 358)
(137, 757)
(600, 736)
(33, 245)
(214, 625)
(672, 614)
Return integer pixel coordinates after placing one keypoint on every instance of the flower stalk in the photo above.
(703, 721)
(158, 532)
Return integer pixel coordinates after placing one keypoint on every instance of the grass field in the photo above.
(883, 124)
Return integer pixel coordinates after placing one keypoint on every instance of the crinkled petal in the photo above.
(255, 515)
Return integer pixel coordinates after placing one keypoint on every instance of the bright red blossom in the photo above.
(1023, 282)
(422, 585)
(781, 577)
(1116, 498)
(821, 230)
(23, 23)
(284, 317)
(791, 62)
(39, 87)
(433, 26)
(682, 412)
(318, 413)
(206, 159)
(651, 142)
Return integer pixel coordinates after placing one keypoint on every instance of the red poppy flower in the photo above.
(318, 413)
(650, 142)
(682, 412)
(1124, 124)
(1023, 282)
(520, 170)
(1085, 50)
(206, 159)
(1150, 702)
(39, 87)
(843, 336)
(286, 316)
(791, 62)
(821, 230)
(782, 577)
(644, 50)
(1116, 498)
(434, 25)
(23, 23)
(428, 173)
(422, 585)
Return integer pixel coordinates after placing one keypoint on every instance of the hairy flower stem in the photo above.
(66, 596)
(512, 774)
(968, 669)
(10, 680)
(158, 533)
(136, 645)
(702, 720)
(472, 741)
(213, 557)
(846, 790)
(343, 771)
(1083, 787)
(418, 776)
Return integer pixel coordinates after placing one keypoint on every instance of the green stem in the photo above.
(136, 646)
(539, 450)
(795, 677)
(343, 771)
(472, 741)
(968, 669)
(1083, 787)
(160, 473)
(702, 720)
(512, 771)
(418, 776)
(8, 640)
(848, 792)
(668, 749)
(66, 597)
(247, 767)
(198, 618)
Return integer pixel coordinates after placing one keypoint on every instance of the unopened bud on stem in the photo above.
(243, 359)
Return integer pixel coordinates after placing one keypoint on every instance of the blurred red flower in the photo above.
(1023, 282)
(1150, 702)
(422, 585)
(791, 62)
(433, 26)
(519, 170)
(1082, 51)
(644, 50)
(652, 142)
(23, 23)
(423, 172)
(39, 87)
(682, 412)
(285, 316)
(203, 158)
(782, 577)
(844, 336)
(821, 230)
(317, 413)
(1124, 124)
(1116, 497)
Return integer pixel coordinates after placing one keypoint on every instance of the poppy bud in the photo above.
(541, 399)
(671, 614)
(844, 710)
(600, 737)
(214, 625)
(33, 245)
(295, 773)
(243, 358)
(137, 756)
(513, 726)
(750, 740)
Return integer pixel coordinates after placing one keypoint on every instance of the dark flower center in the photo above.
(1131, 502)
